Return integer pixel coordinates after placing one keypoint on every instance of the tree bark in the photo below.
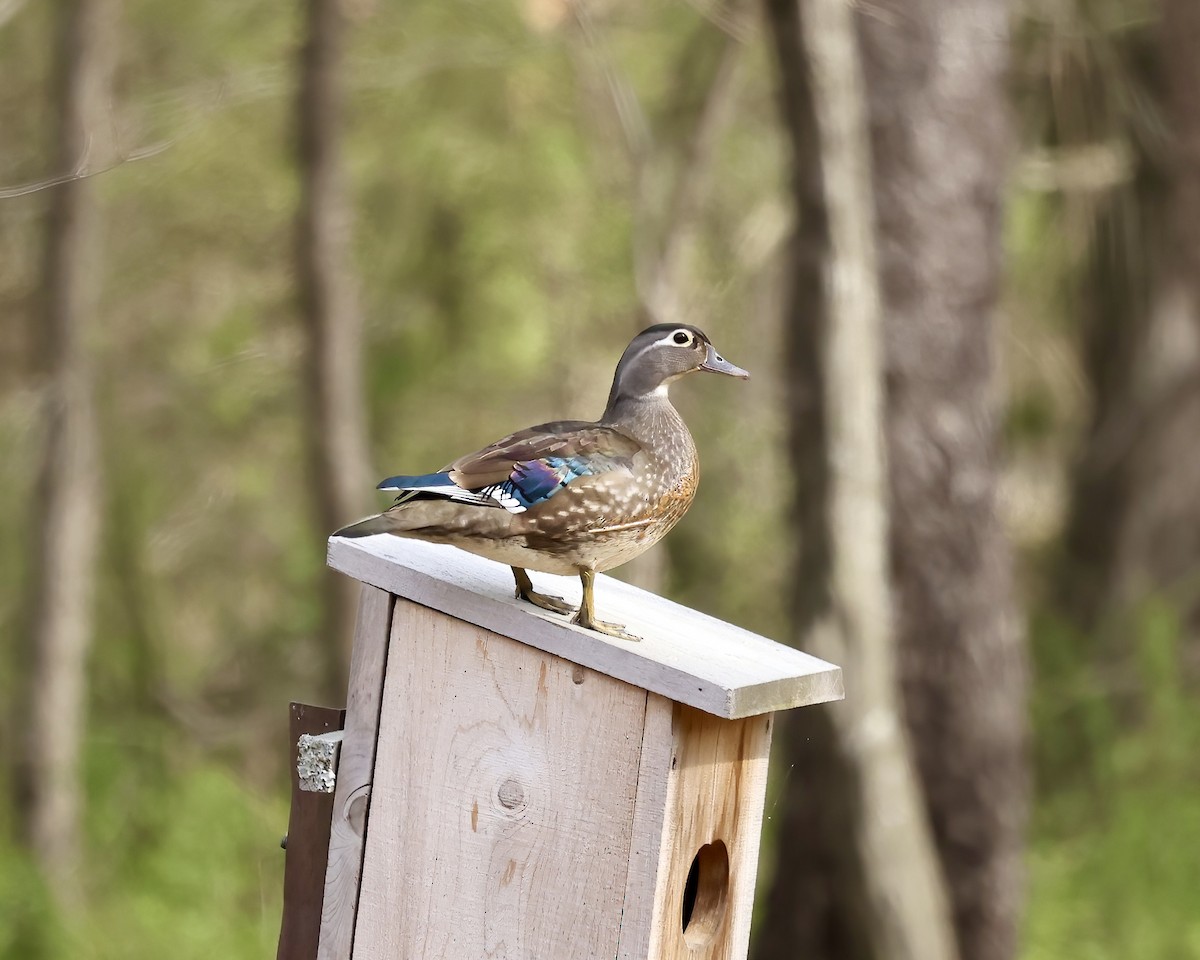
(861, 878)
(61, 614)
(936, 74)
(1133, 529)
(1158, 545)
(337, 420)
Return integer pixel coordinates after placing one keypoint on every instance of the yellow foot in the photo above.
(545, 601)
(525, 591)
(609, 629)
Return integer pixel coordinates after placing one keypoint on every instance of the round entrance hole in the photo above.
(704, 894)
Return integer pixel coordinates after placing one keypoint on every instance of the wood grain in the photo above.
(503, 800)
(684, 655)
(368, 663)
(715, 791)
(307, 844)
(649, 817)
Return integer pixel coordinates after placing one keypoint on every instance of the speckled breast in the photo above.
(605, 521)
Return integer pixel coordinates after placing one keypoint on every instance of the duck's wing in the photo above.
(525, 468)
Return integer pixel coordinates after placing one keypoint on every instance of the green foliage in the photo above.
(30, 928)
(185, 865)
(203, 880)
(1120, 887)
(1113, 864)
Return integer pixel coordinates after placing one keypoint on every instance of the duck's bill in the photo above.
(715, 363)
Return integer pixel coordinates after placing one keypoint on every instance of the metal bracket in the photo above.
(316, 760)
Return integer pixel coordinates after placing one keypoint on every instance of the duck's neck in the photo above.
(646, 417)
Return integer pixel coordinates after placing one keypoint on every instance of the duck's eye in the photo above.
(682, 337)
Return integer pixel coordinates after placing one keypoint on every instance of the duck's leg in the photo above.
(586, 617)
(525, 591)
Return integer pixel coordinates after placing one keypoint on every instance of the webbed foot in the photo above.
(547, 602)
(608, 629)
(526, 592)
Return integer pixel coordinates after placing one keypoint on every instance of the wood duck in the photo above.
(571, 497)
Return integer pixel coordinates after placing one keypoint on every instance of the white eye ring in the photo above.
(672, 339)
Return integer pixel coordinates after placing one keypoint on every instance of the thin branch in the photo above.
(1088, 168)
(80, 173)
(659, 280)
(663, 230)
(200, 100)
(9, 9)
(628, 108)
(725, 18)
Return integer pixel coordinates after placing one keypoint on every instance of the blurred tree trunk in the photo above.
(1161, 541)
(859, 877)
(1134, 526)
(936, 78)
(68, 512)
(337, 420)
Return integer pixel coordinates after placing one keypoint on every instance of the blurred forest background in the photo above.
(255, 255)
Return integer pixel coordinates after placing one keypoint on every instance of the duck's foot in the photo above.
(586, 617)
(608, 629)
(526, 592)
(547, 602)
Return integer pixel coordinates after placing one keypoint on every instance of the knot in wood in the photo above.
(511, 794)
(356, 814)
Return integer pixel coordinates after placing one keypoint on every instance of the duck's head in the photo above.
(663, 353)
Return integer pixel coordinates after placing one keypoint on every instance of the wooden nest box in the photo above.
(512, 786)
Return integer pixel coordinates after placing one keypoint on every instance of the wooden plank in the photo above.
(715, 792)
(649, 812)
(368, 662)
(307, 845)
(684, 655)
(502, 801)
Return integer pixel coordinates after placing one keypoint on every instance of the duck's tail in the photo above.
(368, 527)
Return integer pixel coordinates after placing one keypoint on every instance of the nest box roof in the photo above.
(684, 655)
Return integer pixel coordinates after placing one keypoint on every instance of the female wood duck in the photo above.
(571, 497)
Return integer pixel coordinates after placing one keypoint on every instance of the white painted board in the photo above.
(684, 655)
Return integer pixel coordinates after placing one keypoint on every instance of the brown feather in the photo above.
(562, 438)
